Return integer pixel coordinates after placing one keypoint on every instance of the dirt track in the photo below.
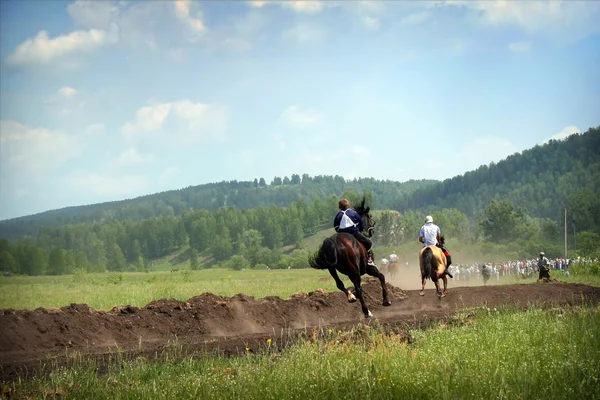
(232, 324)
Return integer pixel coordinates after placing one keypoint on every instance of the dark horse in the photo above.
(342, 252)
(433, 266)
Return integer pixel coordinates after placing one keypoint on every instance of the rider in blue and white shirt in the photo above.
(348, 221)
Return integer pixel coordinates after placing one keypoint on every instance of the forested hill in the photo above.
(543, 180)
(238, 194)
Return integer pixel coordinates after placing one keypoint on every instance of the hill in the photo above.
(213, 196)
(542, 180)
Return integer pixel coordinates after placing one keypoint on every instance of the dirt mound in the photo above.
(233, 324)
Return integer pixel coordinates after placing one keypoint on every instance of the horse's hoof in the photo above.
(439, 294)
(369, 314)
(443, 295)
(387, 303)
(422, 293)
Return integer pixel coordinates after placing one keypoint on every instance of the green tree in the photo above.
(252, 242)
(194, 263)
(81, 261)
(116, 259)
(238, 262)
(501, 223)
(56, 261)
(8, 262)
(588, 244)
(222, 249)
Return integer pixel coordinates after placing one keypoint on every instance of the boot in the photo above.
(371, 259)
(449, 261)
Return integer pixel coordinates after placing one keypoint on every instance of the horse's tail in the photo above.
(326, 257)
(427, 257)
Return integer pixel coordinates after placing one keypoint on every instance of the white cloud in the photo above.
(67, 92)
(151, 23)
(182, 10)
(192, 122)
(42, 50)
(416, 18)
(132, 157)
(148, 119)
(519, 47)
(305, 33)
(563, 20)
(370, 22)
(28, 149)
(93, 13)
(564, 133)
(301, 6)
(294, 115)
(95, 129)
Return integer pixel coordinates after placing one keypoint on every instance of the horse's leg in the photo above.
(423, 280)
(437, 288)
(445, 278)
(341, 286)
(355, 278)
(373, 271)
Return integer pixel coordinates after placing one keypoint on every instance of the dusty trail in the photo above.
(28, 339)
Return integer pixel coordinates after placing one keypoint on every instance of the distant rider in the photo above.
(348, 221)
(430, 235)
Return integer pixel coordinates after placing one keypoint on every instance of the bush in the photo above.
(589, 268)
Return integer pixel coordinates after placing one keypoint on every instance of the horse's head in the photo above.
(365, 212)
(442, 240)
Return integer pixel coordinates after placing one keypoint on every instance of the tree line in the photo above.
(280, 192)
(259, 237)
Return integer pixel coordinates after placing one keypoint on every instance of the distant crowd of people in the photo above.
(520, 269)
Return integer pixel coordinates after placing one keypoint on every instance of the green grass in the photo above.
(105, 290)
(482, 354)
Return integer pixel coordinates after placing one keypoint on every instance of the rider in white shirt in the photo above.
(430, 235)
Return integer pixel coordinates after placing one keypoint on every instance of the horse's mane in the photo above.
(442, 240)
(362, 209)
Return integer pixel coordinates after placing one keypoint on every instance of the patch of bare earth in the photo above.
(231, 325)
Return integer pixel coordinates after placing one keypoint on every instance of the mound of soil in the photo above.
(235, 324)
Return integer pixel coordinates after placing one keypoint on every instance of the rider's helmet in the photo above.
(428, 219)
(542, 253)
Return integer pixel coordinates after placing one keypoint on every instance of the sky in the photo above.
(108, 100)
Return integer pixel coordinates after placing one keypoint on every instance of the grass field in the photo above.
(483, 354)
(103, 291)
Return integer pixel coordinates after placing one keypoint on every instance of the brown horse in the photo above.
(433, 266)
(343, 253)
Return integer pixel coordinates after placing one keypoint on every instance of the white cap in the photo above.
(428, 219)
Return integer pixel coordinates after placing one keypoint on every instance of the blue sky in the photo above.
(110, 100)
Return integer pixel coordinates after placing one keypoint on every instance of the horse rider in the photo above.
(430, 234)
(393, 258)
(543, 266)
(348, 221)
